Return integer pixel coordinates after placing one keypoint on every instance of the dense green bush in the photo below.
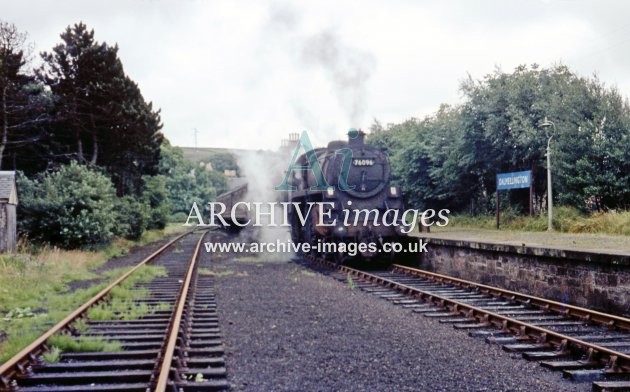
(77, 207)
(73, 207)
(133, 218)
(156, 198)
(178, 217)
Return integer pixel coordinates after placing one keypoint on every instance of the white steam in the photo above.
(264, 171)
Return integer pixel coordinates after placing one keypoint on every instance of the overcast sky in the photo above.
(247, 73)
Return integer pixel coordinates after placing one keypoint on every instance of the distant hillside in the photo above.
(206, 154)
(221, 159)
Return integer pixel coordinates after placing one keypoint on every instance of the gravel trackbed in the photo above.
(288, 328)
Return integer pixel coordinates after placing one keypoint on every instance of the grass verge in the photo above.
(565, 220)
(35, 286)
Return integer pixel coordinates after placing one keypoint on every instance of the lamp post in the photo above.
(546, 124)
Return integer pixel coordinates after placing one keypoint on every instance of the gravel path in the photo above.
(135, 255)
(288, 328)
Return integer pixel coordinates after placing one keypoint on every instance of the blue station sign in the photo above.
(514, 180)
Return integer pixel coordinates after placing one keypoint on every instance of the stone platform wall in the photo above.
(590, 279)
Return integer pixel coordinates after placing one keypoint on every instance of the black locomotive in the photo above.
(351, 209)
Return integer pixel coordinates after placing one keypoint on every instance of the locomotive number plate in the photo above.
(363, 162)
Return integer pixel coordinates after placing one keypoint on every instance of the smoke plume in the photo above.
(348, 69)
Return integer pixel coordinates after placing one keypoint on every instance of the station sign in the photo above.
(514, 180)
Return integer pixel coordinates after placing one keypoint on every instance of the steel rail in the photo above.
(28, 355)
(169, 351)
(594, 316)
(614, 361)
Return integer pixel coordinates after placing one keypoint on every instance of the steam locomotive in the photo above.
(337, 214)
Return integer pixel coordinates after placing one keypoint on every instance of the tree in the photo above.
(451, 158)
(132, 149)
(102, 118)
(222, 161)
(23, 102)
(503, 116)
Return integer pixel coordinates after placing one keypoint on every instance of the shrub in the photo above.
(133, 218)
(178, 217)
(73, 207)
(156, 197)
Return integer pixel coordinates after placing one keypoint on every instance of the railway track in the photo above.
(585, 345)
(164, 336)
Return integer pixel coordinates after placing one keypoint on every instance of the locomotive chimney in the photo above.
(289, 144)
(356, 137)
